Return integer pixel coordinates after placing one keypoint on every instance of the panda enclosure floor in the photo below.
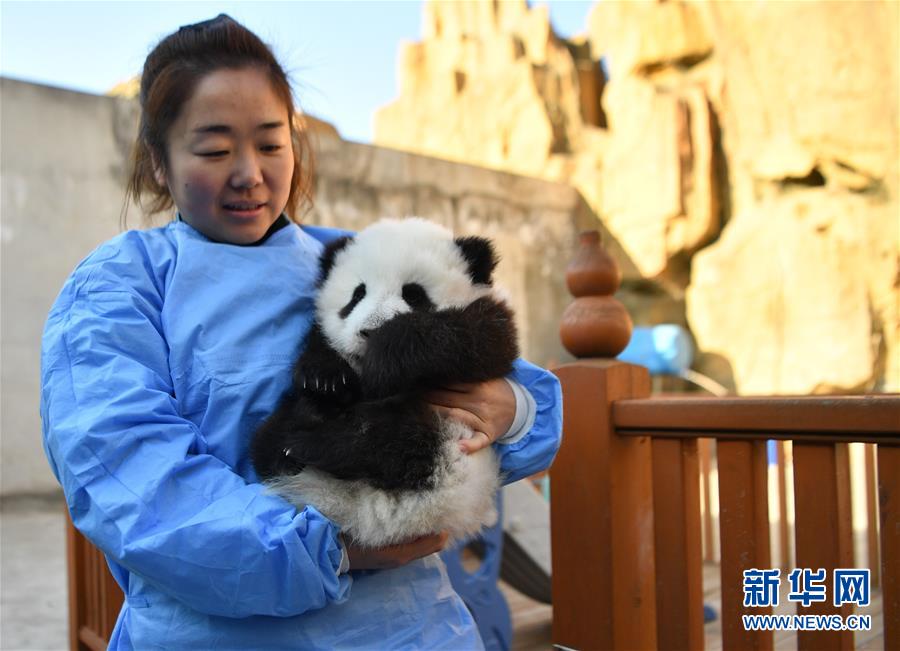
(33, 594)
(531, 621)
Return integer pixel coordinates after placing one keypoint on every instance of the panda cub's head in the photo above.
(392, 267)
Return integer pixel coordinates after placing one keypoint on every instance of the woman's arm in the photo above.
(535, 445)
(140, 484)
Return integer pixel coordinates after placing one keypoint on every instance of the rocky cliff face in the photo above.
(489, 84)
(743, 156)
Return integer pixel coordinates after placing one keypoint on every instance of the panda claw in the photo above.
(325, 385)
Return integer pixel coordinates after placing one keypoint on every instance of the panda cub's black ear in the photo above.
(480, 257)
(326, 262)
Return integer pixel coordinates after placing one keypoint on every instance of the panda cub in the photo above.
(402, 308)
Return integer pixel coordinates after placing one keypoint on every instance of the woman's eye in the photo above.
(212, 154)
(271, 148)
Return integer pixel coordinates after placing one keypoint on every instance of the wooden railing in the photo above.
(94, 596)
(625, 495)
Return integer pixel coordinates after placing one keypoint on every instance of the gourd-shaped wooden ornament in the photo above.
(595, 324)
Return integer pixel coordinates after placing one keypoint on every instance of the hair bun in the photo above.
(205, 24)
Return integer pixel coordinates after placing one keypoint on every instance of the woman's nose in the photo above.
(247, 172)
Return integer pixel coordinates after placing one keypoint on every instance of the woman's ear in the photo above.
(159, 172)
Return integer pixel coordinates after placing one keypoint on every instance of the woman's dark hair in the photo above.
(171, 73)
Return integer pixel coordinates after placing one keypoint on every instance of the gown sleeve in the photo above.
(139, 482)
(534, 450)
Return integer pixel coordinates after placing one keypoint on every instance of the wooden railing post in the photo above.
(744, 535)
(77, 583)
(679, 557)
(601, 484)
(872, 515)
(889, 499)
(602, 516)
(824, 529)
(94, 596)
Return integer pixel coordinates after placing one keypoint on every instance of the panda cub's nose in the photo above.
(365, 333)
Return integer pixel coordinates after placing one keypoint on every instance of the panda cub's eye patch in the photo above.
(358, 294)
(416, 297)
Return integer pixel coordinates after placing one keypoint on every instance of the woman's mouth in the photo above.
(244, 208)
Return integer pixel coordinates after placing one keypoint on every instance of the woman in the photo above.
(166, 349)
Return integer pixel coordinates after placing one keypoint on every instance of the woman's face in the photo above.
(229, 156)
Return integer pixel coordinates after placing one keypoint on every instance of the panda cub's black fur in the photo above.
(403, 308)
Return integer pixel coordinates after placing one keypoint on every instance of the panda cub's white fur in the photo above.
(461, 504)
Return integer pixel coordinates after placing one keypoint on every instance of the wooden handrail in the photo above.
(869, 419)
(741, 435)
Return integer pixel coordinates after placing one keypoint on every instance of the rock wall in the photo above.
(62, 178)
(807, 96)
(499, 61)
(743, 156)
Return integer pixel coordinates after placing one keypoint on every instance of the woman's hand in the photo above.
(489, 408)
(385, 558)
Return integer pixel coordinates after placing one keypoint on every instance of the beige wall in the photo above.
(63, 161)
(60, 186)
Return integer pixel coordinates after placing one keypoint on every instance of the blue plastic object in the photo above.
(479, 589)
(665, 349)
(771, 452)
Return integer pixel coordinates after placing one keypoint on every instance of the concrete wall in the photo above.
(63, 165)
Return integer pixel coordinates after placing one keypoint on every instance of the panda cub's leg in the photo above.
(272, 441)
(391, 443)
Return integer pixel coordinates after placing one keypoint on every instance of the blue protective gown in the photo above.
(162, 354)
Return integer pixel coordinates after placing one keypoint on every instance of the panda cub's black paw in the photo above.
(332, 379)
(328, 382)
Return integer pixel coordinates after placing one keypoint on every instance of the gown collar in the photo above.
(276, 226)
